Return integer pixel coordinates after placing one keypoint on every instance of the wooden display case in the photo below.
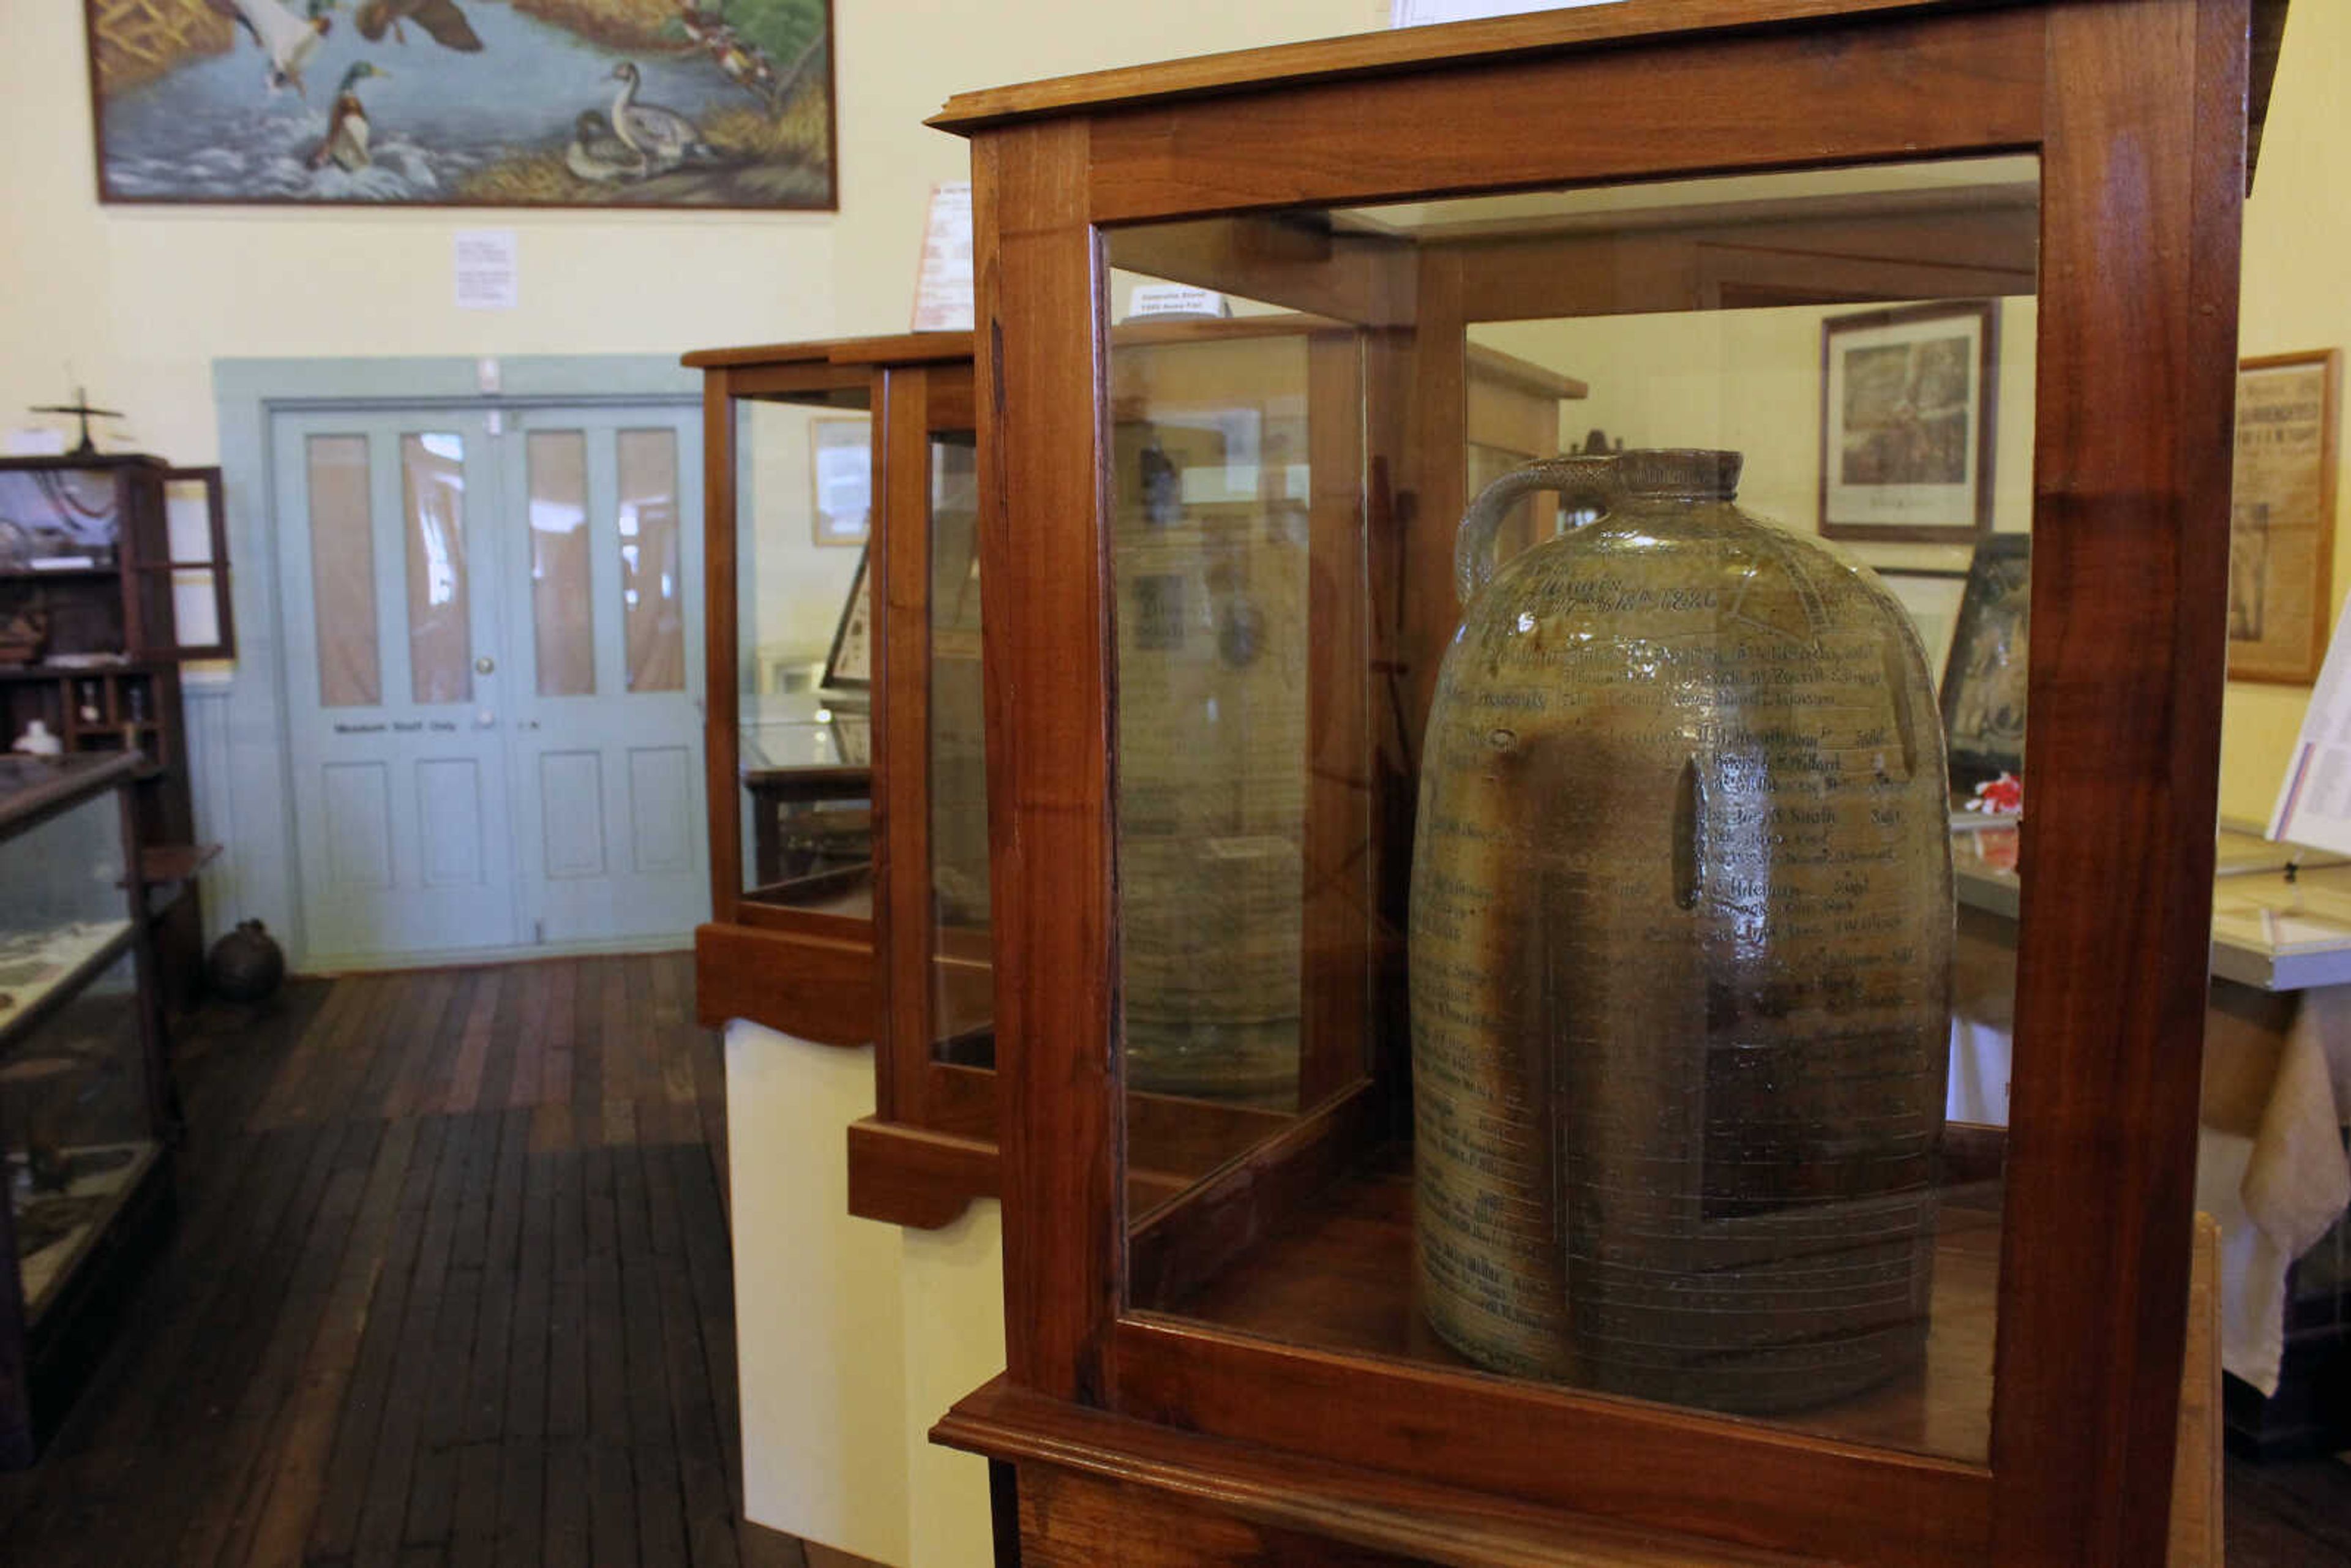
(86, 544)
(85, 1104)
(796, 740)
(1249, 1339)
(916, 912)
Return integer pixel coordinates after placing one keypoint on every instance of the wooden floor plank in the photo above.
(562, 1006)
(485, 1413)
(588, 1052)
(334, 1530)
(465, 1091)
(531, 1030)
(567, 1312)
(303, 1439)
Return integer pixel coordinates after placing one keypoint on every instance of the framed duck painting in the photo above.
(483, 103)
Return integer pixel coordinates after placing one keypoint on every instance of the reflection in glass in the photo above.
(562, 610)
(803, 752)
(440, 632)
(343, 572)
(653, 609)
(1210, 552)
(961, 990)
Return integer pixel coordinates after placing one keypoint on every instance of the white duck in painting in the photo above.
(288, 40)
(662, 137)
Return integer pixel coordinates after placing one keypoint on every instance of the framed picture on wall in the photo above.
(1984, 680)
(464, 103)
(841, 464)
(2282, 520)
(1908, 421)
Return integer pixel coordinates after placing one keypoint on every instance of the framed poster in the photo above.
(2282, 521)
(850, 664)
(841, 463)
(1906, 421)
(1983, 681)
(466, 103)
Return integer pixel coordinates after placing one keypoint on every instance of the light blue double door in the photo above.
(492, 650)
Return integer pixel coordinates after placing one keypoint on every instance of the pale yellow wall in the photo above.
(138, 301)
(2297, 229)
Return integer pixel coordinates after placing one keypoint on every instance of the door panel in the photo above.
(614, 681)
(398, 771)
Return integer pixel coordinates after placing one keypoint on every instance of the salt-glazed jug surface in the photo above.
(1680, 945)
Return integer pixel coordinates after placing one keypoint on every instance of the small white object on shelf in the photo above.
(36, 741)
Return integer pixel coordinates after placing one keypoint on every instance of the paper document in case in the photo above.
(2313, 804)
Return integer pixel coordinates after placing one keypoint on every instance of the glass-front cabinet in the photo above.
(84, 1104)
(848, 804)
(1481, 718)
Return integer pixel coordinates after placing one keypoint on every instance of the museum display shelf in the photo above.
(85, 1105)
(120, 561)
(1857, 265)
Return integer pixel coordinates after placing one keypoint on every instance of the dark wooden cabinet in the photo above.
(1650, 197)
(122, 560)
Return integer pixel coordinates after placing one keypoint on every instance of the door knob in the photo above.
(485, 664)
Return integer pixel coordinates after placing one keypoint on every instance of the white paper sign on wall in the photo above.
(486, 273)
(943, 292)
(1423, 13)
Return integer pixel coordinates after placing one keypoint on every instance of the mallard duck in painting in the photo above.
(288, 40)
(345, 144)
(440, 18)
(662, 137)
(596, 154)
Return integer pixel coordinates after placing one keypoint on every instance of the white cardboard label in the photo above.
(943, 291)
(486, 274)
(1175, 299)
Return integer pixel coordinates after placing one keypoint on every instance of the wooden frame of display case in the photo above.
(809, 973)
(2137, 111)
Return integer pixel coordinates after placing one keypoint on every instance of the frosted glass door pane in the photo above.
(562, 609)
(343, 572)
(652, 611)
(433, 500)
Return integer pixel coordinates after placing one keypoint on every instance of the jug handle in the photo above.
(1582, 480)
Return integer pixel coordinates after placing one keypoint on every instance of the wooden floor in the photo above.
(450, 1285)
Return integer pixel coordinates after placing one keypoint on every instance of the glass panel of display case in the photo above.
(805, 737)
(651, 570)
(440, 634)
(65, 902)
(962, 976)
(74, 1122)
(562, 607)
(1211, 553)
(343, 572)
(1704, 1094)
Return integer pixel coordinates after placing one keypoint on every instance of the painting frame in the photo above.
(1889, 472)
(2281, 568)
(764, 123)
(1984, 677)
(841, 481)
(849, 662)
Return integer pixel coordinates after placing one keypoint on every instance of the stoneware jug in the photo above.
(1680, 947)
